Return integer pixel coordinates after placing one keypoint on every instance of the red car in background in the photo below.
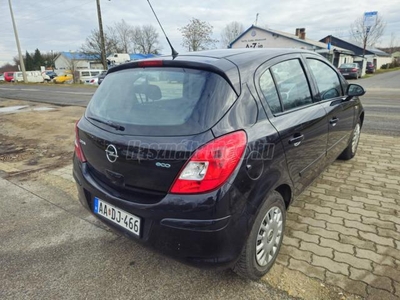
(8, 76)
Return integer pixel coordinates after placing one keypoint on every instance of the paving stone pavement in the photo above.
(345, 228)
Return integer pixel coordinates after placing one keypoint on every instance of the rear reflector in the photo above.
(78, 149)
(150, 63)
(211, 165)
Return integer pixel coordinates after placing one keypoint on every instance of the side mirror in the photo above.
(355, 90)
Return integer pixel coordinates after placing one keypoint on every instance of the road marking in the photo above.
(46, 91)
(76, 93)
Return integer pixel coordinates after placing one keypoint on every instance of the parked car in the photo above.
(204, 169)
(95, 80)
(64, 78)
(370, 67)
(350, 70)
(49, 75)
(101, 77)
(8, 76)
(2, 77)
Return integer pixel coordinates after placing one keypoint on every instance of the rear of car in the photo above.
(370, 67)
(350, 70)
(9, 76)
(201, 155)
(95, 80)
(101, 77)
(147, 162)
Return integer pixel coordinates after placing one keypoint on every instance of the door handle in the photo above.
(333, 121)
(296, 140)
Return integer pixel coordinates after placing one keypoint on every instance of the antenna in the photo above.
(174, 53)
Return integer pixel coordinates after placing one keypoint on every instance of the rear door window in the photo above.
(327, 79)
(292, 84)
(168, 101)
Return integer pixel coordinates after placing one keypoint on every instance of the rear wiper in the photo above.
(109, 123)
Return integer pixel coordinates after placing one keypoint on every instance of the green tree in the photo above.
(197, 35)
(38, 60)
(29, 65)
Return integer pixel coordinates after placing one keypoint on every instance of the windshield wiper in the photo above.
(109, 123)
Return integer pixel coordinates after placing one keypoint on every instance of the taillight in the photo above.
(78, 149)
(211, 165)
(150, 63)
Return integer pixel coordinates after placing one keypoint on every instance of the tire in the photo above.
(351, 149)
(252, 264)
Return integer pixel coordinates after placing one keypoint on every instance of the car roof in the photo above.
(240, 57)
(229, 62)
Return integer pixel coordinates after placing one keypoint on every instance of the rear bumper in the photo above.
(207, 230)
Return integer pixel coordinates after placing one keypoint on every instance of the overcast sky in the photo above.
(64, 25)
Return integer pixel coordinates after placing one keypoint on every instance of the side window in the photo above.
(269, 92)
(292, 84)
(327, 79)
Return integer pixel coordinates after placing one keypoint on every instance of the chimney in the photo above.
(302, 33)
(297, 32)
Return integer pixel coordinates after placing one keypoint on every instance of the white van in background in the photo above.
(31, 76)
(83, 75)
(118, 58)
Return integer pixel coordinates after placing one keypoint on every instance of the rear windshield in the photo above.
(161, 101)
(348, 66)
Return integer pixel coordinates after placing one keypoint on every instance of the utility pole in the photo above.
(21, 59)
(103, 46)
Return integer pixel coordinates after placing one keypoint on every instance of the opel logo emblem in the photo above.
(111, 153)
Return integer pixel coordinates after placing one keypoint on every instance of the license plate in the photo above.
(117, 216)
(345, 74)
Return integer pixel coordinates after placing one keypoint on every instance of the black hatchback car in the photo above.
(204, 167)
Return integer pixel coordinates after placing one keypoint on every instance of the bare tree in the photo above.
(197, 35)
(121, 33)
(366, 35)
(8, 67)
(145, 39)
(394, 42)
(231, 31)
(92, 44)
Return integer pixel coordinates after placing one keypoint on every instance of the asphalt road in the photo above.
(48, 93)
(381, 102)
(51, 248)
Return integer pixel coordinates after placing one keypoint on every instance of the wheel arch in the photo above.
(286, 193)
(362, 118)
